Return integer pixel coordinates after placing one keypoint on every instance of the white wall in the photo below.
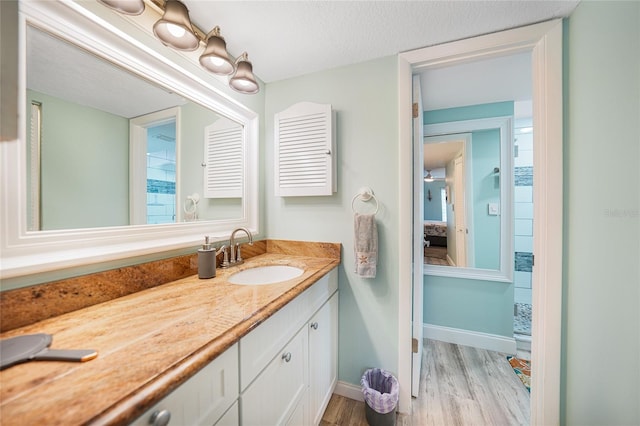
(365, 99)
(601, 345)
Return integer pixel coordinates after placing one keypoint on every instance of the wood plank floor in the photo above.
(460, 385)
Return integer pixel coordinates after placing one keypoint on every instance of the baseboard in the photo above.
(523, 342)
(349, 391)
(476, 339)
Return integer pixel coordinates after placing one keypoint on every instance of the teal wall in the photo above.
(601, 308)
(364, 97)
(475, 305)
(433, 207)
(78, 141)
(469, 112)
(485, 156)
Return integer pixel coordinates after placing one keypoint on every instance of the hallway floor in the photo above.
(460, 385)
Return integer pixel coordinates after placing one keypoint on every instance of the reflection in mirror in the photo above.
(457, 97)
(466, 169)
(462, 223)
(109, 148)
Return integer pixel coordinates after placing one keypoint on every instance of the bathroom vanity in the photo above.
(201, 351)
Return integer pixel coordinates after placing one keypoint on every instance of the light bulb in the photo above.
(215, 61)
(176, 30)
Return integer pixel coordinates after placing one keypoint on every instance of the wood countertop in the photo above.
(148, 343)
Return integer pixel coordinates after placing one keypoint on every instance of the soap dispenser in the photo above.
(206, 260)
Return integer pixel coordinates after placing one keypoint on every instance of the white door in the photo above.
(418, 236)
(460, 212)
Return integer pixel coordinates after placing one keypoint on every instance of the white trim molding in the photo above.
(349, 391)
(547, 229)
(476, 339)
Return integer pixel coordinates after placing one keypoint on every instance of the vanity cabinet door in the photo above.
(323, 357)
(203, 399)
(231, 417)
(274, 397)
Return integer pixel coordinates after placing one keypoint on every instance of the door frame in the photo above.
(544, 41)
(460, 199)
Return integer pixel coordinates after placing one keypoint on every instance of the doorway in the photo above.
(154, 144)
(161, 172)
(544, 41)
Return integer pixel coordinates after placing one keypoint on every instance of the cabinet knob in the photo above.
(287, 356)
(160, 418)
(314, 325)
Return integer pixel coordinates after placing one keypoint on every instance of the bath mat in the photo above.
(522, 369)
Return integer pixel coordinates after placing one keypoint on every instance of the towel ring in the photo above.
(364, 194)
(191, 204)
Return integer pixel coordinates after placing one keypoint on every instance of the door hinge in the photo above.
(414, 345)
(414, 108)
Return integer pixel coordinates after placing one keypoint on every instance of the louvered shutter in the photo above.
(223, 159)
(305, 151)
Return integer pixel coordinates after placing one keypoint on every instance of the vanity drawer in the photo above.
(259, 347)
(281, 389)
(205, 397)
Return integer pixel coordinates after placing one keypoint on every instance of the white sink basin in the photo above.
(269, 274)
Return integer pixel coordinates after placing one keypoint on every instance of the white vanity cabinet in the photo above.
(207, 398)
(284, 371)
(288, 364)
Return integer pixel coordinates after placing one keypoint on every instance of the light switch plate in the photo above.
(494, 209)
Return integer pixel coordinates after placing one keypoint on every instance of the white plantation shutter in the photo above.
(305, 151)
(223, 159)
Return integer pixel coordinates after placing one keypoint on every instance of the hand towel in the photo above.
(365, 244)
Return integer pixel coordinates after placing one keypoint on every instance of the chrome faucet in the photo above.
(236, 256)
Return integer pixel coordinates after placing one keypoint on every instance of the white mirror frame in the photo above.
(25, 252)
(505, 272)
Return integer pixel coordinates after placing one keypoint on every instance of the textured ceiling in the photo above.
(290, 38)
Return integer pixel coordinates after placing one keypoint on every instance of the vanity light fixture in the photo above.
(174, 28)
(215, 57)
(243, 80)
(128, 7)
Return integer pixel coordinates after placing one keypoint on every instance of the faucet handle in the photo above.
(239, 258)
(225, 258)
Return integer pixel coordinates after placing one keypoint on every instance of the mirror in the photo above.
(86, 132)
(465, 182)
(470, 111)
(118, 135)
